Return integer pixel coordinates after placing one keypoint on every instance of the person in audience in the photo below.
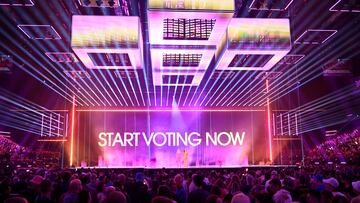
(198, 195)
(116, 197)
(45, 193)
(84, 196)
(180, 193)
(356, 188)
(332, 185)
(240, 198)
(72, 195)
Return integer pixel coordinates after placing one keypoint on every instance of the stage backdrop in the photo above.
(170, 139)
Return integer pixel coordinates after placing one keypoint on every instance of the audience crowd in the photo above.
(330, 174)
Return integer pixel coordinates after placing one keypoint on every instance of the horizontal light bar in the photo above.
(31, 3)
(50, 140)
(170, 110)
(342, 10)
(40, 110)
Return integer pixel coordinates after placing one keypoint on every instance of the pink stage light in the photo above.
(269, 121)
(72, 132)
(52, 140)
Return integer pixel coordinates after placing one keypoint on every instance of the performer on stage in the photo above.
(186, 156)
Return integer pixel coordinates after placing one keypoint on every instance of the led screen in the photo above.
(172, 139)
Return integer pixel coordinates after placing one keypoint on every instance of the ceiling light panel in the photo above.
(107, 42)
(253, 44)
(40, 32)
(183, 36)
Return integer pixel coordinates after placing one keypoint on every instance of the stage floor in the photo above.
(190, 167)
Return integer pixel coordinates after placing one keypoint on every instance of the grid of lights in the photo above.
(185, 60)
(188, 29)
(99, 3)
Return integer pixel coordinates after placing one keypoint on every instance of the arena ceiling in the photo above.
(48, 70)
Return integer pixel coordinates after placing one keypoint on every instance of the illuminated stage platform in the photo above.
(189, 168)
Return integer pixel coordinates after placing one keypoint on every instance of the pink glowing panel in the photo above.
(333, 8)
(263, 38)
(315, 36)
(94, 38)
(253, 7)
(162, 26)
(159, 69)
(208, 5)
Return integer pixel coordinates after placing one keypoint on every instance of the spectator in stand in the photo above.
(33, 189)
(72, 196)
(116, 197)
(199, 195)
(45, 193)
(356, 188)
(332, 185)
(313, 196)
(180, 193)
(317, 183)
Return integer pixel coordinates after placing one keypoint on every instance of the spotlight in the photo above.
(111, 3)
(99, 2)
(86, 2)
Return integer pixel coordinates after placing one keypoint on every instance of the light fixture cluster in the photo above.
(99, 3)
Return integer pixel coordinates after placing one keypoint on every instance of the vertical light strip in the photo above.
(274, 124)
(50, 130)
(269, 120)
(42, 125)
(289, 127)
(72, 131)
(58, 132)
